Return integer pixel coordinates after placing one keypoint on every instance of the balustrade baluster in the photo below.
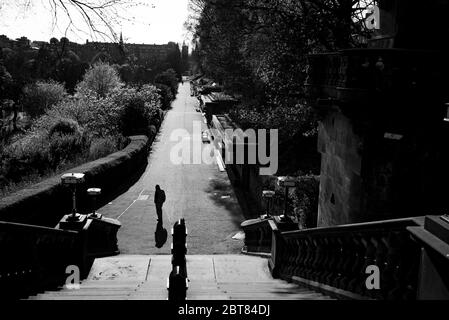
(357, 268)
(297, 261)
(310, 258)
(320, 261)
(331, 265)
(343, 252)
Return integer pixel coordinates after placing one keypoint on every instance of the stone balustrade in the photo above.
(364, 76)
(35, 257)
(335, 259)
(257, 236)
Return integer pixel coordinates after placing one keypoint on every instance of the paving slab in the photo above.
(122, 267)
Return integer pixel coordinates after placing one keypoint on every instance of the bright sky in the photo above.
(151, 21)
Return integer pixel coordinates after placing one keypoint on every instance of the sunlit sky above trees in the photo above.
(147, 21)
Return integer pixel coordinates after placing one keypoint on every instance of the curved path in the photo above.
(198, 192)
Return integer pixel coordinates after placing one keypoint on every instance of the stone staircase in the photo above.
(212, 277)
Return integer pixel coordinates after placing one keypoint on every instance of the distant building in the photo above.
(114, 52)
(20, 43)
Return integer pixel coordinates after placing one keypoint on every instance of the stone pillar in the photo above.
(340, 178)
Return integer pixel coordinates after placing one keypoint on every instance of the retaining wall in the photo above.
(46, 202)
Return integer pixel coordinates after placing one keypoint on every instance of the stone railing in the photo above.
(257, 236)
(35, 258)
(102, 237)
(358, 74)
(335, 260)
(434, 239)
(258, 233)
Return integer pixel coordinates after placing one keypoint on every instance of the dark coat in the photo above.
(159, 197)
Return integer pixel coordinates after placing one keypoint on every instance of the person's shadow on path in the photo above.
(160, 235)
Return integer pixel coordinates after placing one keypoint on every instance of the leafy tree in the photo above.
(40, 96)
(54, 41)
(100, 79)
(168, 78)
(258, 50)
(174, 59)
(140, 109)
(6, 82)
(166, 95)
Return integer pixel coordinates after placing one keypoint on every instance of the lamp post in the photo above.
(286, 182)
(73, 179)
(94, 193)
(268, 196)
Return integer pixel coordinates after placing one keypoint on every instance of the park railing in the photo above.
(336, 259)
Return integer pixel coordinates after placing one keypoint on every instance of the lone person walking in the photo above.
(159, 199)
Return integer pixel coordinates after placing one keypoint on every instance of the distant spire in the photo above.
(121, 38)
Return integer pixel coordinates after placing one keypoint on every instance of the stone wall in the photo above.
(46, 202)
(378, 174)
(340, 177)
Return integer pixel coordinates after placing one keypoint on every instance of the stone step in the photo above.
(212, 277)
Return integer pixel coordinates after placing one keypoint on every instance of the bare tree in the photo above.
(97, 18)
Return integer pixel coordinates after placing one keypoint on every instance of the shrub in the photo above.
(29, 154)
(166, 96)
(139, 109)
(65, 127)
(102, 147)
(134, 119)
(100, 79)
(150, 95)
(40, 96)
(65, 147)
(291, 121)
(168, 78)
(98, 117)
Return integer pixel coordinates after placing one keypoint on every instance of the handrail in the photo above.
(402, 222)
(337, 258)
(4, 225)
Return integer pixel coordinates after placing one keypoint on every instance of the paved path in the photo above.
(198, 192)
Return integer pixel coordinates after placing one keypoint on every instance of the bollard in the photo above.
(179, 246)
(179, 231)
(178, 281)
(177, 285)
